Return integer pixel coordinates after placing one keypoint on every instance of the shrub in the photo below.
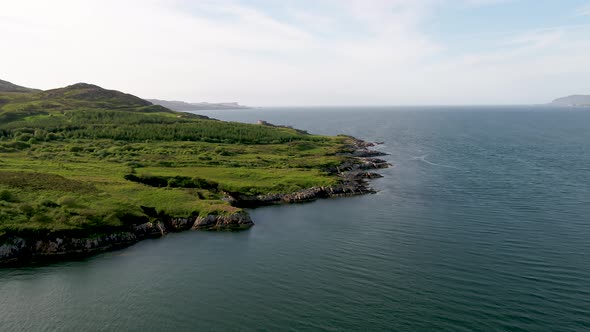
(48, 203)
(17, 145)
(24, 137)
(40, 218)
(6, 196)
(67, 201)
(26, 209)
(51, 137)
(173, 182)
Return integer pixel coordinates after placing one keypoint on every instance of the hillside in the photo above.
(85, 161)
(84, 92)
(6, 86)
(573, 100)
(184, 106)
(77, 97)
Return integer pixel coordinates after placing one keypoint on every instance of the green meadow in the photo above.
(83, 159)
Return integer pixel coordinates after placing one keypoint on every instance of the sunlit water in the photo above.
(483, 224)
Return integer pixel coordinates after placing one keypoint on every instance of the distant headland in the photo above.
(573, 100)
(184, 106)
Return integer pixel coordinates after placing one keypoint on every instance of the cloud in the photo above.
(303, 52)
(583, 11)
(525, 68)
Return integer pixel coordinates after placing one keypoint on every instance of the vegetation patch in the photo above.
(85, 160)
(43, 181)
(173, 181)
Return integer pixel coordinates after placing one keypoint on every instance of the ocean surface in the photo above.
(483, 224)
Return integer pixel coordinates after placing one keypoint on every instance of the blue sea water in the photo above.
(483, 224)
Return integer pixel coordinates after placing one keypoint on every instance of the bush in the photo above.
(17, 145)
(67, 201)
(173, 182)
(40, 218)
(48, 203)
(6, 196)
(24, 137)
(51, 137)
(26, 209)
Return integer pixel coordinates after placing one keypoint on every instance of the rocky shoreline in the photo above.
(353, 174)
(21, 250)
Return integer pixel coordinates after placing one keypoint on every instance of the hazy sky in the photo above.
(303, 52)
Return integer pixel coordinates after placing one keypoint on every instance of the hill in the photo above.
(573, 100)
(6, 86)
(184, 106)
(91, 93)
(76, 97)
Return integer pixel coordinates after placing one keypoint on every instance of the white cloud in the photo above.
(225, 51)
(584, 10)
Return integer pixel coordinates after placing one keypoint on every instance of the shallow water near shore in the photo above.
(482, 224)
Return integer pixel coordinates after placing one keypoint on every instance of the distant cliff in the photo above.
(573, 100)
(184, 106)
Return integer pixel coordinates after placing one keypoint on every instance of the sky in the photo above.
(304, 52)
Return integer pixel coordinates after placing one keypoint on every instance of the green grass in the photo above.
(250, 180)
(65, 153)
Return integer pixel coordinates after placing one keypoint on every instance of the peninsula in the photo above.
(572, 101)
(85, 169)
(183, 106)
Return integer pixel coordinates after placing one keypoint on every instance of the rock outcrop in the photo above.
(236, 221)
(22, 250)
(18, 250)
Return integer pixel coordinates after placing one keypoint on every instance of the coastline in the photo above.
(353, 174)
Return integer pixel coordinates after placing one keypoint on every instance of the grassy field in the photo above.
(84, 159)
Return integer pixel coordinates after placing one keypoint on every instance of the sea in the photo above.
(482, 224)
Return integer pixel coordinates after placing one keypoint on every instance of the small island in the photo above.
(85, 169)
